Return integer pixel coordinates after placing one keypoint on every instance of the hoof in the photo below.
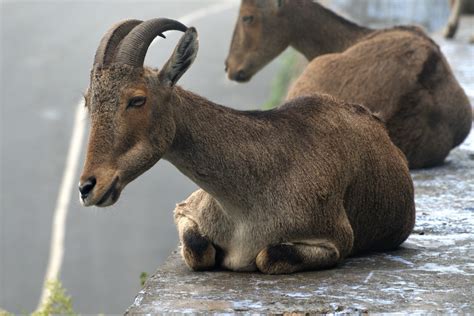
(279, 259)
(450, 31)
(198, 252)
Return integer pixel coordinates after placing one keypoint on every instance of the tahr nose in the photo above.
(86, 187)
(241, 75)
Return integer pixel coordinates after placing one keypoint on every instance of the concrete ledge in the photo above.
(432, 272)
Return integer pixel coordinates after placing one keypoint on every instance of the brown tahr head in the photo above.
(132, 122)
(262, 32)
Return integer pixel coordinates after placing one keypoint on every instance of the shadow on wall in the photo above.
(432, 14)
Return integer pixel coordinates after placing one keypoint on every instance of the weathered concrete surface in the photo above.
(432, 272)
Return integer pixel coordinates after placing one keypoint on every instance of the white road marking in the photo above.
(56, 251)
(75, 147)
(206, 11)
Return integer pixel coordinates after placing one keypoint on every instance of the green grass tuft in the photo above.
(287, 73)
(57, 303)
(5, 313)
(143, 278)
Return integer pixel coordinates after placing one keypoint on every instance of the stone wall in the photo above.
(432, 14)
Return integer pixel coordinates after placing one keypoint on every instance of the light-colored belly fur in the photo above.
(242, 249)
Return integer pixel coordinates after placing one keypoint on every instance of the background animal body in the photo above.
(280, 196)
(398, 73)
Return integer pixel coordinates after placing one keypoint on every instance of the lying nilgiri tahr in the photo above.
(296, 188)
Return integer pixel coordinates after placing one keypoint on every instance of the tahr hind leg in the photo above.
(453, 22)
(288, 258)
(312, 253)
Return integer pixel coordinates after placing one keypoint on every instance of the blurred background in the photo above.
(47, 49)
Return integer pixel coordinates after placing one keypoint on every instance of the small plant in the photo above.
(143, 278)
(58, 301)
(5, 313)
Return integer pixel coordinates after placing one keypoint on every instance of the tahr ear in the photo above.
(278, 6)
(272, 5)
(182, 58)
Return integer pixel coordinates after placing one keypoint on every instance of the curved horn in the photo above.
(110, 41)
(134, 46)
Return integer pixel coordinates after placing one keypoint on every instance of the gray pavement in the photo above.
(47, 50)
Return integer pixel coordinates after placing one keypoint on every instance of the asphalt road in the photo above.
(47, 51)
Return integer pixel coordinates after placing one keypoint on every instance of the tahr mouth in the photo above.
(242, 79)
(110, 196)
(241, 75)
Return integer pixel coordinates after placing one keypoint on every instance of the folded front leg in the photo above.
(293, 257)
(197, 251)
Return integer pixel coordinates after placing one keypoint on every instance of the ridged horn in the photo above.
(111, 40)
(133, 48)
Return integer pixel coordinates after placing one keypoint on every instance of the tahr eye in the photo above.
(247, 19)
(136, 102)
